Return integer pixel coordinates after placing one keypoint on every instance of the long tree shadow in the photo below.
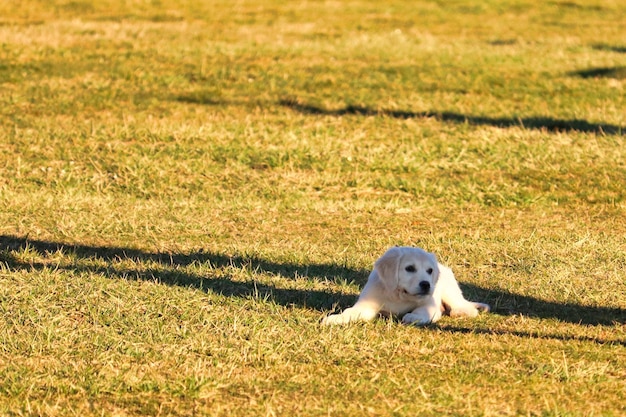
(533, 122)
(620, 49)
(447, 327)
(618, 73)
(536, 122)
(168, 269)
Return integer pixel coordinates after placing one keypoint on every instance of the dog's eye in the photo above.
(410, 268)
(429, 271)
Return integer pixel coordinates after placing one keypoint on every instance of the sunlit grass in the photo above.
(187, 188)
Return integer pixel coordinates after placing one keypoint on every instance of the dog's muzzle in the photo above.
(423, 289)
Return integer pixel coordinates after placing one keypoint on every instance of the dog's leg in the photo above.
(361, 311)
(453, 299)
(424, 315)
(469, 309)
(350, 315)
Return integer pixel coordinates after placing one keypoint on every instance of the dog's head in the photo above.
(408, 271)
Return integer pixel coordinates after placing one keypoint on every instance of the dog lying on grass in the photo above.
(409, 283)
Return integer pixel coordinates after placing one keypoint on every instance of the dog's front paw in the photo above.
(470, 309)
(465, 311)
(335, 319)
(420, 318)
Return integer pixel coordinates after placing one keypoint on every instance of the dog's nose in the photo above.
(424, 286)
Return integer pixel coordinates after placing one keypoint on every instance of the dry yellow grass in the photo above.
(187, 188)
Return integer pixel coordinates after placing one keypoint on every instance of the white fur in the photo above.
(409, 283)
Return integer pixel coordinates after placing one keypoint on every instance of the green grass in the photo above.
(186, 188)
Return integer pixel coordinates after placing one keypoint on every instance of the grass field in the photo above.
(187, 188)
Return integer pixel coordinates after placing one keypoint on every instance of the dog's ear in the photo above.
(387, 268)
(433, 259)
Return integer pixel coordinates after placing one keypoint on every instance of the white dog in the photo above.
(409, 283)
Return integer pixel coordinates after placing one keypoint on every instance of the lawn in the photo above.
(187, 188)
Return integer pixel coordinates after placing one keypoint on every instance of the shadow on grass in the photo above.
(617, 73)
(531, 335)
(167, 271)
(540, 123)
(620, 49)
